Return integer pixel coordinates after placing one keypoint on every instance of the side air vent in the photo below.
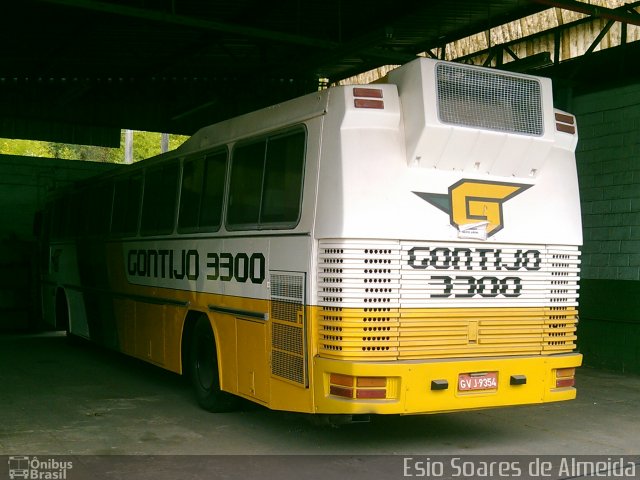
(288, 326)
(482, 98)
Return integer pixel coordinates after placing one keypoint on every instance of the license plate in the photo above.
(470, 382)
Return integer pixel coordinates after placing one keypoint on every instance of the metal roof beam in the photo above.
(158, 16)
(616, 14)
(556, 31)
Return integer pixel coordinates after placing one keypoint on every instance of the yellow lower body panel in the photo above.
(433, 386)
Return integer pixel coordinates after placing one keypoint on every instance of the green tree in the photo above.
(145, 145)
(26, 148)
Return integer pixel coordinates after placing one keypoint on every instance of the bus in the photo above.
(403, 247)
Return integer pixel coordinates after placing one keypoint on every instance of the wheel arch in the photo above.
(194, 357)
(62, 312)
(187, 333)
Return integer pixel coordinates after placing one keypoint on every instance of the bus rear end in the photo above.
(447, 244)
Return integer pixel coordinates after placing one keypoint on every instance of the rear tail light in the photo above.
(565, 377)
(565, 382)
(347, 386)
(341, 391)
(371, 381)
(382, 393)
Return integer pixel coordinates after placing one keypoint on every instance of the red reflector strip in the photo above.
(565, 123)
(341, 392)
(561, 127)
(366, 103)
(371, 394)
(561, 117)
(367, 92)
(565, 382)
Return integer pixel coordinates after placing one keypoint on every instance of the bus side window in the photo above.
(126, 206)
(212, 195)
(201, 192)
(245, 190)
(282, 190)
(96, 205)
(159, 199)
(266, 182)
(191, 193)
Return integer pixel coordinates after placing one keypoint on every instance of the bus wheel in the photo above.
(203, 367)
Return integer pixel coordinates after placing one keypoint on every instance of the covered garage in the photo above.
(81, 71)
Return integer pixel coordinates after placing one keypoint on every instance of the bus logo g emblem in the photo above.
(473, 201)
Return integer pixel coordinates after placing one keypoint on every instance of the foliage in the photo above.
(27, 148)
(145, 145)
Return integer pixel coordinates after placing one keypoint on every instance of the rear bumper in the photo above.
(414, 387)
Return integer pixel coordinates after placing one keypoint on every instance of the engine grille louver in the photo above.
(374, 305)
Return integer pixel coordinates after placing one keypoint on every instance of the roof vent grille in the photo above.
(491, 100)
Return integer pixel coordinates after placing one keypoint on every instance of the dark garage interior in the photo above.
(81, 71)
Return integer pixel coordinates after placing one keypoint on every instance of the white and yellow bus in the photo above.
(402, 247)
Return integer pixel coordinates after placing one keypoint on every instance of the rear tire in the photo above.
(204, 371)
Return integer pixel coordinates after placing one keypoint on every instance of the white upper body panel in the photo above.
(402, 172)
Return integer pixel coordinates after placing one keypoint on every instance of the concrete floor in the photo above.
(58, 398)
